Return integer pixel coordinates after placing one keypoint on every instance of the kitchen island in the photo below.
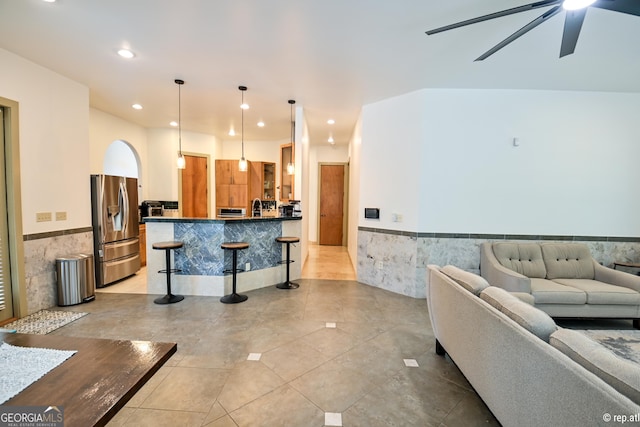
(203, 262)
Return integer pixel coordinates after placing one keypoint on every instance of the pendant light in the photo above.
(181, 162)
(291, 166)
(242, 164)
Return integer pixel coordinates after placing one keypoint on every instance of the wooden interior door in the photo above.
(331, 204)
(195, 189)
(6, 298)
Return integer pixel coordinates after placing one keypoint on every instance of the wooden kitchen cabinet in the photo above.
(286, 181)
(142, 237)
(232, 186)
(263, 181)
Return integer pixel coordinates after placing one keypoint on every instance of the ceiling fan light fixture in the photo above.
(576, 4)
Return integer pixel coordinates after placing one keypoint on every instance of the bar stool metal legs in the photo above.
(288, 240)
(234, 297)
(169, 298)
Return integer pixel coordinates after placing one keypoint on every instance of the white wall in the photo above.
(574, 173)
(392, 137)
(257, 151)
(162, 154)
(320, 154)
(104, 129)
(302, 179)
(54, 153)
(355, 146)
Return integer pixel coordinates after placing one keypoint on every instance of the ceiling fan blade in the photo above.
(632, 7)
(494, 15)
(530, 26)
(572, 26)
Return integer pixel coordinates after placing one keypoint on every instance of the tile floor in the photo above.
(331, 353)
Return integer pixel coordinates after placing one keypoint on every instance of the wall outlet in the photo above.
(396, 217)
(43, 216)
(379, 265)
(61, 216)
(247, 266)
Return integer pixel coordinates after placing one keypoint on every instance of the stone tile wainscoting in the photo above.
(397, 260)
(40, 253)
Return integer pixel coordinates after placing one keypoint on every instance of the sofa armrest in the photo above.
(616, 277)
(498, 275)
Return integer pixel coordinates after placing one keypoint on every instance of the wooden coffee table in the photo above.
(97, 381)
(626, 264)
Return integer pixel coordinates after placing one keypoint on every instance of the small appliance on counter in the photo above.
(297, 210)
(170, 208)
(286, 210)
(151, 208)
(269, 209)
(232, 213)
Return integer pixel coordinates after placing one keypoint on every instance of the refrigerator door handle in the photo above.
(124, 207)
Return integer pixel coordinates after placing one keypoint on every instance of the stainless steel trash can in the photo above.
(88, 291)
(76, 283)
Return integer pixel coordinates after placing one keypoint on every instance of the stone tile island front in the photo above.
(203, 261)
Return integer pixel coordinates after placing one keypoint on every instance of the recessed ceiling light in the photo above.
(126, 53)
(137, 107)
(260, 124)
(232, 132)
(173, 123)
(331, 121)
(50, 1)
(330, 140)
(244, 106)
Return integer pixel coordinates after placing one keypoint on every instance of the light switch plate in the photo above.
(43, 216)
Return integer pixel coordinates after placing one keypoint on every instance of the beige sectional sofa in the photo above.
(561, 279)
(527, 370)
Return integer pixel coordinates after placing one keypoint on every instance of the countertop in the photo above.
(218, 220)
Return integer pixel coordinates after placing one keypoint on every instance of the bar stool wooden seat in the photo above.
(288, 240)
(169, 298)
(234, 297)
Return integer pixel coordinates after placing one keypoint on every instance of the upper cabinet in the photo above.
(263, 181)
(286, 179)
(232, 186)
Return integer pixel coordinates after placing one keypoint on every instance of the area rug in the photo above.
(624, 343)
(22, 366)
(44, 321)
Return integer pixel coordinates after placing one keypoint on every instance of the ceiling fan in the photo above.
(576, 10)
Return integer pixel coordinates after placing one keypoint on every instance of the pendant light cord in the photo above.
(179, 117)
(242, 121)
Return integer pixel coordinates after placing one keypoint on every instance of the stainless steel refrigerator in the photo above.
(114, 212)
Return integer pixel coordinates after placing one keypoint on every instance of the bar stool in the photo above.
(169, 298)
(234, 297)
(288, 240)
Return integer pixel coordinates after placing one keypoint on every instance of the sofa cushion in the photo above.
(567, 261)
(471, 282)
(550, 292)
(621, 374)
(523, 258)
(533, 320)
(522, 296)
(603, 293)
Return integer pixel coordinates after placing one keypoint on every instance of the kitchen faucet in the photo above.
(253, 207)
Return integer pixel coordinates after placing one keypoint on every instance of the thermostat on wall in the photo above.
(372, 213)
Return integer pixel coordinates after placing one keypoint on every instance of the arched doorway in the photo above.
(122, 159)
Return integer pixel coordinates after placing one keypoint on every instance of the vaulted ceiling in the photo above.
(331, 56)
